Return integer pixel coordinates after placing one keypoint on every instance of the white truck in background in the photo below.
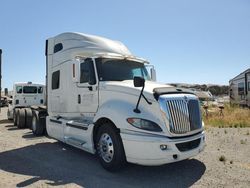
(101, 99)
(24, 96)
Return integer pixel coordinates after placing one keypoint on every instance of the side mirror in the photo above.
(75, 71)
(139, 81)
(153, 74)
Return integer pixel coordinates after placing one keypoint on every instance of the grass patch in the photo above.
(233, 116)
(243, 141)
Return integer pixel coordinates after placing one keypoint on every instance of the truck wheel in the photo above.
(36, 126)
(110, 148)
(28, 113)
(21, 118)
(15, 116)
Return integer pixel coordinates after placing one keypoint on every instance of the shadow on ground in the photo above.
(11, 125)
(13, 128)
(30, 136)
(60, 164)
(5, 121)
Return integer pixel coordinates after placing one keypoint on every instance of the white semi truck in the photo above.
(25, 95)
(101, 99)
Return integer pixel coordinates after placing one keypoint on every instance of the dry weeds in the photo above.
(233, 117)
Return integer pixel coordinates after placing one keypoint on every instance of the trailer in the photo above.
(239, 89)
(102, 99)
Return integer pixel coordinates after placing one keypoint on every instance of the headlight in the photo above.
(144, 124)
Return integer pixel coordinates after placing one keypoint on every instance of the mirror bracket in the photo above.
(140, 82)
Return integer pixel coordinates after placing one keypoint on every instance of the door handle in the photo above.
(90, 88)
(79, 99)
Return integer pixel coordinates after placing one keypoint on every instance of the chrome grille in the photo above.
(184, 115)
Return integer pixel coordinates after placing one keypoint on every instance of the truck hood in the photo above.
(152, 90)
(127, 86)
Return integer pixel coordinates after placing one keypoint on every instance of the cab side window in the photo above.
(19, 89)
(87, 72)
(40, 89)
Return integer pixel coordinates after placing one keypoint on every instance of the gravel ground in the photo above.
(31, 161)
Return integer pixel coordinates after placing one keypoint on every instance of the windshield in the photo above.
(29, 89)
(119, 70)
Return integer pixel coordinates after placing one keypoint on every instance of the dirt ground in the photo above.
(31, 161)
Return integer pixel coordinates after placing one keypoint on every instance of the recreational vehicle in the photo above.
(240, 89)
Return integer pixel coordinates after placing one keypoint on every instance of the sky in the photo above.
(188, 41)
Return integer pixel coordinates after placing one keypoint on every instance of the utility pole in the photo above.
(0, 78)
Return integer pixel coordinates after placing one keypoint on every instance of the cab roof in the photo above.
(69, 45)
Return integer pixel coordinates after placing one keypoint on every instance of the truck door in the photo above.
(88, 87)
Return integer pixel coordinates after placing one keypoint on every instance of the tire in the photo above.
(14, 116)
(28, 113)
(110, 148)
(21, 118)
(37, 126)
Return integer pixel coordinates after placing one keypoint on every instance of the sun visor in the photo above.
(170, 90)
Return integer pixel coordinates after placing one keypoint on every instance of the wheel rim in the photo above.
(34, 124)
(106, 148)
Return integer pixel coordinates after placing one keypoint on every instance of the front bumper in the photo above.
(144, 149)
